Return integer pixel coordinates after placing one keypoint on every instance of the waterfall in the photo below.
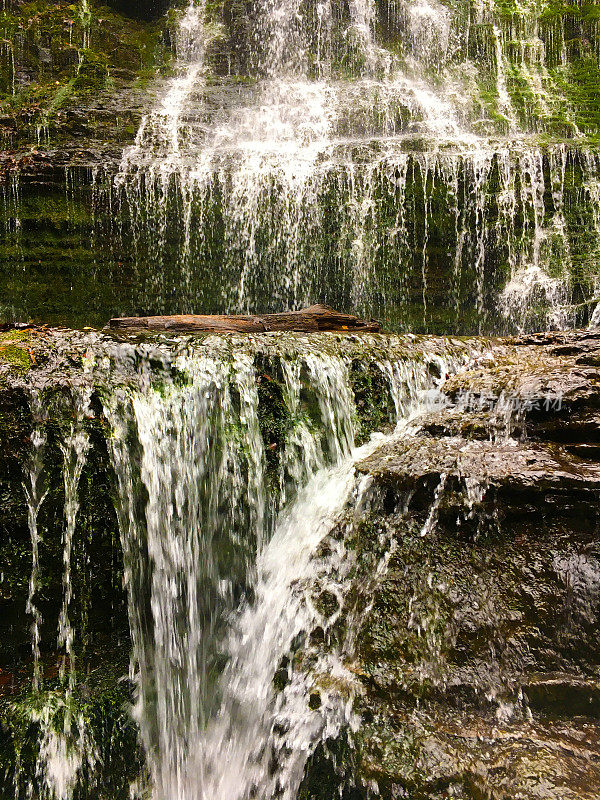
(221, 559)
(410, 159)
(499, 213)
(35, 494)
(258, 742)
(320, 174)
(74, 451)
(366, 155)
(274, 152)
(280, 140)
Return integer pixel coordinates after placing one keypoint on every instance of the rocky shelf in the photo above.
(478, 658)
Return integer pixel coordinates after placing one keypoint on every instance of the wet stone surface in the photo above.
(478, 656)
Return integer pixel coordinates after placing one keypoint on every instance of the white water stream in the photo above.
(217, 602)
(64, 741)
(35, 493)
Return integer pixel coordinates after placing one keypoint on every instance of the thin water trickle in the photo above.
(35, 493)
(74, 450)
(64, 744)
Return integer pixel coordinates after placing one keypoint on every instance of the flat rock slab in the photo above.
(312, 319)
(518, 466)
(536, 368)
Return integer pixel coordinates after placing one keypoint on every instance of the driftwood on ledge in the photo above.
(314, 318)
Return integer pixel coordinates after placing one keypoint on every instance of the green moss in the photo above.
(373, 401)
(67, 55)
(15, 336)
(94, 722)
(16, 357)
(585, 90)
(13, 350)
(92, 72)
(274, 417)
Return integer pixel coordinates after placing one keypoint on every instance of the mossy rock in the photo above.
(15, 352)
(92, 72)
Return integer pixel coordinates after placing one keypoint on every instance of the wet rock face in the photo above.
(139, 9)
(479, 649)
(480, 661)
(98, 609)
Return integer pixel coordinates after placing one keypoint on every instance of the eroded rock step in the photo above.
(479, 657)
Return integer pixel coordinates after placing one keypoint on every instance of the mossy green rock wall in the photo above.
(100, 703)
(76, 251)
(70, 73)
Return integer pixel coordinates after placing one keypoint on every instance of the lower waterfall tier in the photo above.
(143, 483)
(198, 561)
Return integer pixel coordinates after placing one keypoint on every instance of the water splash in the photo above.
(531, 289)
(259, 741)
(66, 745)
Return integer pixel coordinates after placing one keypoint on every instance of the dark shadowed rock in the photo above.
(147, 9)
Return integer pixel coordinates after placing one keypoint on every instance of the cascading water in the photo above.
(221, 560)
(35, 494)
(239, 511)
(284, 139)
(362, 155)
(335, 119)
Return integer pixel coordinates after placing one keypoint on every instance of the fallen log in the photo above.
(308, 320)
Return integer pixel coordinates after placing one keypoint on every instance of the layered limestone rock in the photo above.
(478, 653)
(475, 593)
(71, 79)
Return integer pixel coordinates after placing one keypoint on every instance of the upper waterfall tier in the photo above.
(290, 79)
(340, 143)
(429, 164)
